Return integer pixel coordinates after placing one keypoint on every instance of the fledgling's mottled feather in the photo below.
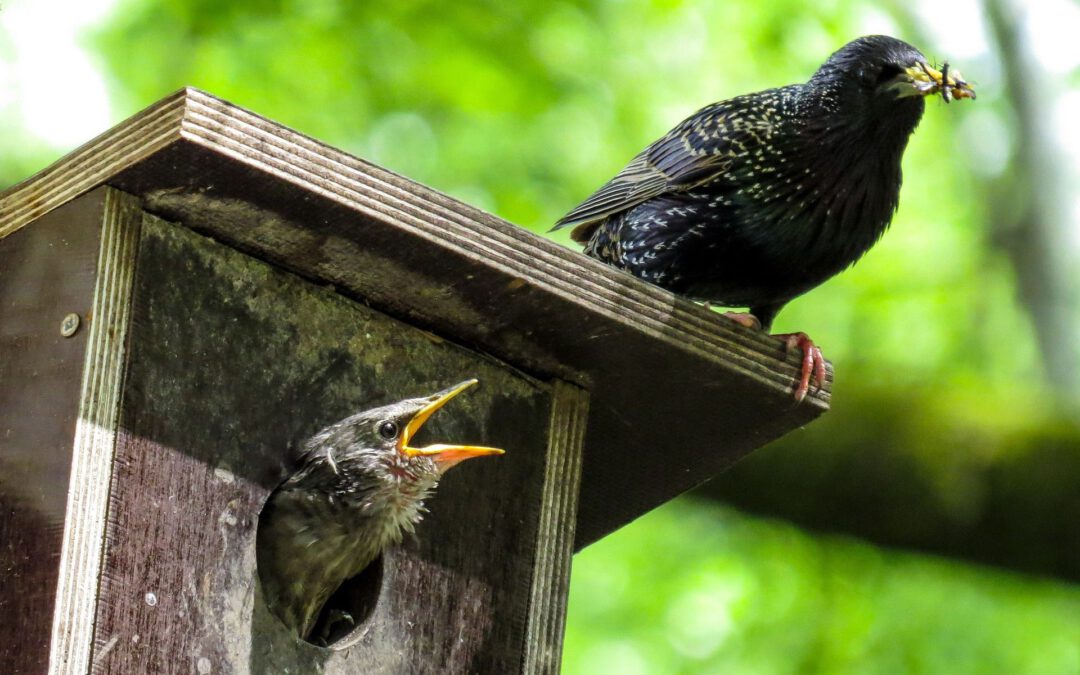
(352, 496)
(359, 487)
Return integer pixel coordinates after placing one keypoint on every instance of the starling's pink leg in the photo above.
(813, 362)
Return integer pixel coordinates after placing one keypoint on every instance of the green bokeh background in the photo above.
(952, 431)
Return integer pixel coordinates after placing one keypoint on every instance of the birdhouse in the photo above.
(188, 297)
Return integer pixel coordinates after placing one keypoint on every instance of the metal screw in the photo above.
(70, 325)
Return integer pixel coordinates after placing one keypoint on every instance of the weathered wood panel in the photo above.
(46, 272)
(232, 363)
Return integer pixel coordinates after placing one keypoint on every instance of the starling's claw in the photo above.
(744, 319)
(813, 363)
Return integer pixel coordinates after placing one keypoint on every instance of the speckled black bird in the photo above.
(360, 487)
(753, 201)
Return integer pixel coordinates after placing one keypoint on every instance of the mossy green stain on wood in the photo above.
(232, 363)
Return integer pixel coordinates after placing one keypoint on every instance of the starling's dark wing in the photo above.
(640, 180)
(701, 148)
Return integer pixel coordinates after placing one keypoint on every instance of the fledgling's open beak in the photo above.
(922, 79)
(446, 455)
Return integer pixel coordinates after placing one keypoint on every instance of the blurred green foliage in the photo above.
(696, 588)
(523, 109)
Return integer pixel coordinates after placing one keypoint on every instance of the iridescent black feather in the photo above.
(753, 201)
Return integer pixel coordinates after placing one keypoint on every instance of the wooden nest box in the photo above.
(186, 297)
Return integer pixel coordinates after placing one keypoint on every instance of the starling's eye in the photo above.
(388, 430)
(888, 72)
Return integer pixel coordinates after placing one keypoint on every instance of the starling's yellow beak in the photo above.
(923, 79)
(446, 455)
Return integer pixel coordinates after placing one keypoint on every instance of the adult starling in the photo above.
(359, 488)
(753, 201)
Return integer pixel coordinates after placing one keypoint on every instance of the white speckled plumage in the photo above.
(781, 188)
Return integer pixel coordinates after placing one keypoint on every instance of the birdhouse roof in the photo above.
(677, 393)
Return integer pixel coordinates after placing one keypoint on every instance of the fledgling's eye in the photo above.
(388, 430)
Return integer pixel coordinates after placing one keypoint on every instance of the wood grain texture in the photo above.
(649, 359)
(232, 364)
(558, 515)
(46, 272)
(91, 165)
(95, 436)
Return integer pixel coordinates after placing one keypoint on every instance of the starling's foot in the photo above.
(813, 363)
(744, 319)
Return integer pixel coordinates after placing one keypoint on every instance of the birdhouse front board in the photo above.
(216, 366)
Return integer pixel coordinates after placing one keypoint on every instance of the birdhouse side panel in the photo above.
(47, 274)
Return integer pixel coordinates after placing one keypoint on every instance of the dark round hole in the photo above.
(348, 609)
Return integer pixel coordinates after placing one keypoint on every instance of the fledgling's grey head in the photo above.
(371, 454)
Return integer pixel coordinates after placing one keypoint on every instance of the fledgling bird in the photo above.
(752, 201)
(359, 488)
